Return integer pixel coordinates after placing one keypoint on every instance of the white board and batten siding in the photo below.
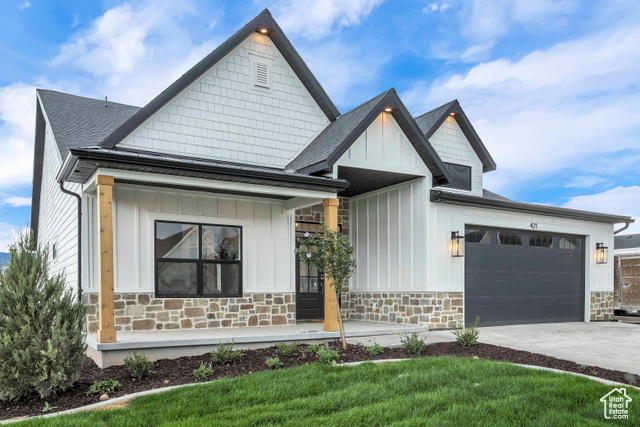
(267, 236)
(388, 226)
(235, 112)
(453, 147)
(58, 216)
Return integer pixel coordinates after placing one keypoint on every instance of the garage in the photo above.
(517, 276)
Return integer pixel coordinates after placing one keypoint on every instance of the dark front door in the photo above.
(518, 276)
(309, 282)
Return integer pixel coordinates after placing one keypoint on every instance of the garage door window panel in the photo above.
(571, 243)
(541, 241)
(473, 235)
(507, 238)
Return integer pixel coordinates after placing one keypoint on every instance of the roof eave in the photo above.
(465, 200)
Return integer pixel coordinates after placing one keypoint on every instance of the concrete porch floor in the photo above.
(176, 343)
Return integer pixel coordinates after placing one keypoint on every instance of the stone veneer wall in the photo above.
(144, 312)
(438, 310)
(315, 213)
(602, 305)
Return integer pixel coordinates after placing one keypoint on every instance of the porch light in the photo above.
(452, 114)
(601, 253)
(457, 244)
(264, 30)
(388, 109)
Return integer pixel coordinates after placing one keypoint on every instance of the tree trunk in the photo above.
(342, 337)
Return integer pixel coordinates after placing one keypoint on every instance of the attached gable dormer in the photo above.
(456, 152)
(250, 107)
(455, 140)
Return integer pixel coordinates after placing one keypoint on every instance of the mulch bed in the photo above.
(171, 372)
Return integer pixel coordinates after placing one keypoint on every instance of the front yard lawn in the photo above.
(425, 391)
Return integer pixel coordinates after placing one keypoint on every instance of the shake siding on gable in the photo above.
(223, 115)
(58, 216)
(453, 147)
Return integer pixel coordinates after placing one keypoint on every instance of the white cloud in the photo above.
(586, 181)
(566, 107)
(76, 21)
(8, 235)
(436, 7)
(24, 5)
(316, 19)
(618, 201)
(17, 201)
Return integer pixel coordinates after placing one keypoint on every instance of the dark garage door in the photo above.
(515, 276)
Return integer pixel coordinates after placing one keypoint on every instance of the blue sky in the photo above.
(552, 87)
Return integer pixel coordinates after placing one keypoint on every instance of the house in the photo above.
(627, 272)
(183, 214)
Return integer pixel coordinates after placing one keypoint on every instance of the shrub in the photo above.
(375, 349)
(327, 356)
(413, 343)
(42, 333)
(314, 348)
(630, 378)
(138, 364)
(274, 363)
(204, 371)
(224, 354)
(287, 350)
(469, 335)
(104, 387)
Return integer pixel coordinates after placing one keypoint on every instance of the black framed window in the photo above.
(507, 238)
(198, 259)
(473, 235)
(541, 241)
(460, 176)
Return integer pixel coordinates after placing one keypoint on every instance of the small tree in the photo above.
(331, 253)
(42, 335)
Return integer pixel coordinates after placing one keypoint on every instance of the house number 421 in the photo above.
(534, 225)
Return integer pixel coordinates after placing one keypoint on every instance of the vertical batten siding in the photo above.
(453, 147)
(267, 235)
(58, 216)
(383, 146)
(388, 227)
(223, 115)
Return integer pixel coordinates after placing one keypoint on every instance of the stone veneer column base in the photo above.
(438, 310)
(602, 305)
(144, 312)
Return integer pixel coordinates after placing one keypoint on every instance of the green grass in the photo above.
(431, 391)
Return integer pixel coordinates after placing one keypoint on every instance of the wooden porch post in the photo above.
(330, 302)
(106, 330)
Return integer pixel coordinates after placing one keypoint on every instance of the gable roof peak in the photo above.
(264, 20)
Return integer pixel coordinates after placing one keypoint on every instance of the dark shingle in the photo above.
(627, 241)
(431, 118)
(78, 122)
(486, 194)
(321, 148)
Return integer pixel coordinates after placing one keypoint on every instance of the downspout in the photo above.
(79, 199)
(626, 225)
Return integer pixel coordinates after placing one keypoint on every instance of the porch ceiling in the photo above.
(365, 180)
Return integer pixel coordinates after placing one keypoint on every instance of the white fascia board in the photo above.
(208, 184)
(299, 203)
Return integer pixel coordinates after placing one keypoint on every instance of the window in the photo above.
(508, 238)
(460, 176)
(54, 251)
(198, 259)
(567, 242)
(541, 241)
(473, 235)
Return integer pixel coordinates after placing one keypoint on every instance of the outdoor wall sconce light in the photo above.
(457, 244)
(601, 253)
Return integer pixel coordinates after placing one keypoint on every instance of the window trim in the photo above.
(200, 263)
(511, 233)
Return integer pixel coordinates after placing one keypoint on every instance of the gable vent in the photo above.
(261, 74)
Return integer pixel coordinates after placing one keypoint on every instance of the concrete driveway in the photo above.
(611, 345)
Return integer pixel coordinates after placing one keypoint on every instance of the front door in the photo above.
(309, 281)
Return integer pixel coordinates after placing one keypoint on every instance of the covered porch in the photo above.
(173, 344)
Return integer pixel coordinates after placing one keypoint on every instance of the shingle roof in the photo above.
(627, 241)
(326, 149)
(77, 121)
(328, 141)
(430, 122)
(494, 196)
